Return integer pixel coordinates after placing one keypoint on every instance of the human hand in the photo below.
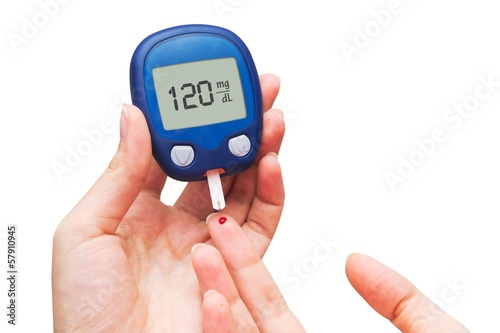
(397, 299)
(121, 258)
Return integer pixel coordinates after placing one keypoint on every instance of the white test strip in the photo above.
(216, 192)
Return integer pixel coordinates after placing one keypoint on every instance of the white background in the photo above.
(348, 124)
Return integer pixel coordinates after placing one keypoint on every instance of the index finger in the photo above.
(397, 299)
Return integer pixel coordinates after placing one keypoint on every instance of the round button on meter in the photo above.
(199, 90)
(240, 146)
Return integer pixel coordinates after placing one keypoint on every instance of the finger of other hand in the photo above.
(397, 299)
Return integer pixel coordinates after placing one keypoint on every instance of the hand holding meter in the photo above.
(199, 90)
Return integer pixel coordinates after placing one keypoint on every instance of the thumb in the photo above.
(103, 207)
(397, 299)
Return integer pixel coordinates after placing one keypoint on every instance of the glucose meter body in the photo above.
(199, 90)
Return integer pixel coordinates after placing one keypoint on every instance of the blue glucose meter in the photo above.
(199, 90)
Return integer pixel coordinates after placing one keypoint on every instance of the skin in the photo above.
(397, 299)
(123, 261)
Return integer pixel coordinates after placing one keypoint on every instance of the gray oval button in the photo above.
(240, 146)
(182, 156)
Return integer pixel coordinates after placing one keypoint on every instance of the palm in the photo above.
(162, 291)
(152, 250)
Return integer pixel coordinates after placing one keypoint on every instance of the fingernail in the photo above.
(282, 114)
(208, 292)
(278, 77)
(273, 154)
(124, 122)
(209, 216)
(195, 246)
(349, 256)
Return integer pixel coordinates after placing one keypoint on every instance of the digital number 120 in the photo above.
(203, 89)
